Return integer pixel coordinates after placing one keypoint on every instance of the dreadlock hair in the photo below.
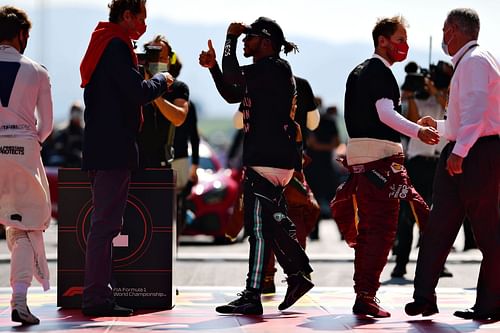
(289, 46)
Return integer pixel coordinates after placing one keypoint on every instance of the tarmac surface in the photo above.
(208, 275)
(201, 262)
(321, 310)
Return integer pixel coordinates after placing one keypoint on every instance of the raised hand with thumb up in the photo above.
(207, 58)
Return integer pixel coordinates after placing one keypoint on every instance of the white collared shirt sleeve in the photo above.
(472, 93)
(441, 127)
(389, 116)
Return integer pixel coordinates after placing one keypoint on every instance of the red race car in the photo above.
(210, 204)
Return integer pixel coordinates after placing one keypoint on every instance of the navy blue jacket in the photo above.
(113, 100)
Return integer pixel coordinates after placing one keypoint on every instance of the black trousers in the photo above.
(475, 194)
(268, 227)
(421, 170)
(109, 198)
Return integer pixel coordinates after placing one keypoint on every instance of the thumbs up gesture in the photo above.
(207, 58)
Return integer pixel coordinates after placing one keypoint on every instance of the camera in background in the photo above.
(150, 56)
(439, 74)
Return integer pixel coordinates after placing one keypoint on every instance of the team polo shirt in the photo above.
(367, 83)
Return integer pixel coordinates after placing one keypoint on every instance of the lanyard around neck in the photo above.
(454, 69)
(463, 54)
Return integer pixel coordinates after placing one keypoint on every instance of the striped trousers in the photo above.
(269, 227)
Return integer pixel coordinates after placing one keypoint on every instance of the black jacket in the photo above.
(265, 91)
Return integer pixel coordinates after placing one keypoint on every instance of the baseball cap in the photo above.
(267, 28)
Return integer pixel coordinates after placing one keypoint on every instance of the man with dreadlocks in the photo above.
(266, 92)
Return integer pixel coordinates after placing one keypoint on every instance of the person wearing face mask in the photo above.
(67, 143)
(366, 206)
(25, 122)
(169, 127)
(467, 179)
(114, 93)
(164, 113)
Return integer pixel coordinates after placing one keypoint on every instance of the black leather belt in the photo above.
(489, 138)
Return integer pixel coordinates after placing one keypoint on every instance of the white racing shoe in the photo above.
(20, 311)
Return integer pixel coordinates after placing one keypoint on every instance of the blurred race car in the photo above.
(210, 203)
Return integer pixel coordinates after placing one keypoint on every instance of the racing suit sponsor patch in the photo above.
(12, 150)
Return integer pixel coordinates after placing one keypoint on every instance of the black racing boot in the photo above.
(20, 311)
(367, 305)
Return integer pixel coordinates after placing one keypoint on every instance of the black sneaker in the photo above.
(248, 304)
(298, 286)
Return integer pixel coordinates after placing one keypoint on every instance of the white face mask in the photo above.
(157, 67)
(444, 45)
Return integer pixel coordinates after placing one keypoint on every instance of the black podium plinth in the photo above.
(144, 252)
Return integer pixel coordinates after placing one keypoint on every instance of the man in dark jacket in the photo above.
(114, 94)
(266, 92)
